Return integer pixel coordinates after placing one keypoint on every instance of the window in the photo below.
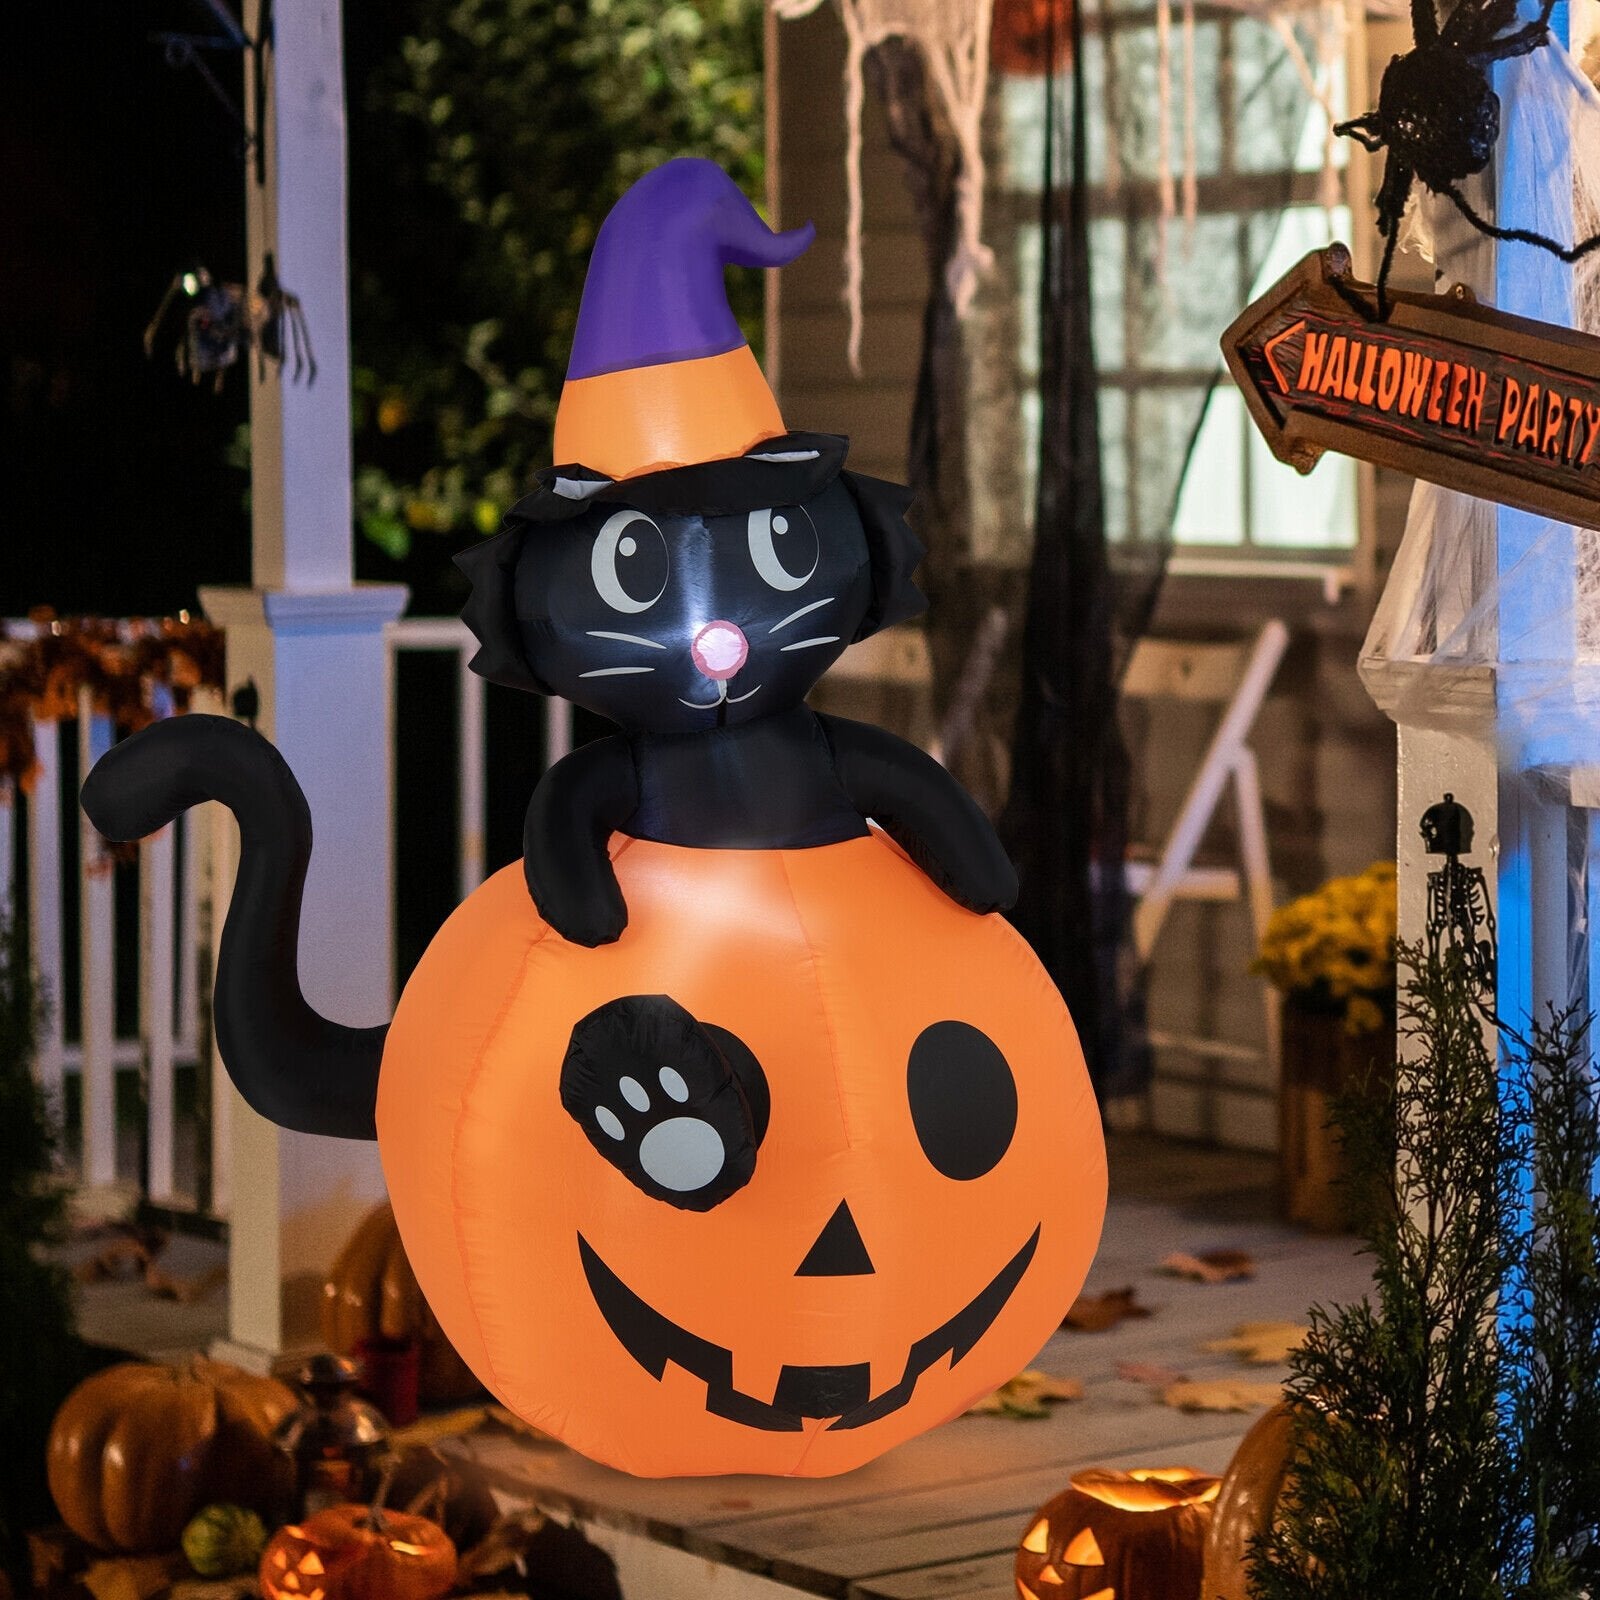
(1162, 297)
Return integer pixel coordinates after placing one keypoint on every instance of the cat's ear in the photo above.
(490, 613)
(895, 550)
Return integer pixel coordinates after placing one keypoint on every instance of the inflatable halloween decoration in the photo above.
(734, 1132)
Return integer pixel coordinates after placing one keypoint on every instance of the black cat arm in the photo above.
(576, 807)
(925, 811)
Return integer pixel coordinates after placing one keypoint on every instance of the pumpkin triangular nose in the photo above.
(839, 1251)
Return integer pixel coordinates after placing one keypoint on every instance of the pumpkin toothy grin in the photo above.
(843, 1393)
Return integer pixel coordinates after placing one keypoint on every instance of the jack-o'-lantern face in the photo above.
(1119, 1536)
(799, 1167)
(346, 1552)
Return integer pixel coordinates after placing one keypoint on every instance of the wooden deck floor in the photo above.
(941, 1516)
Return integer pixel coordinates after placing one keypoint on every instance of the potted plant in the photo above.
(1331, 955)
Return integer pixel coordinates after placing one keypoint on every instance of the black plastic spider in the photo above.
(1439, 118)
(225, 319)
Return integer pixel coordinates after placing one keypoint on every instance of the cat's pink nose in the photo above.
(719, 650)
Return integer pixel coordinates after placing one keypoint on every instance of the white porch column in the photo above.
(1464, 718)
(313, 643)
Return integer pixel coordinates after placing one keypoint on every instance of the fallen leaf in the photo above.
(1261, 1344)
(498, 1417)
(448, 1425)
(1221, 1394)
(121, 1258)
(132, 1577)
(1028, 1395)
(505, 1545)
(1210, 1266)
(1149, 1372)
(1094, 1313)
(185, 1290)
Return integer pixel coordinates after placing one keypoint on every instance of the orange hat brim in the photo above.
(676, 414)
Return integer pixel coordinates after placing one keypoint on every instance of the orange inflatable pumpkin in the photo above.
(873, 1277)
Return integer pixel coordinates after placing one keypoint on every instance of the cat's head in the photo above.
(693, 599)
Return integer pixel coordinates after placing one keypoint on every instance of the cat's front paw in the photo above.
(587, 926)
(591, 914)
(679, 1107)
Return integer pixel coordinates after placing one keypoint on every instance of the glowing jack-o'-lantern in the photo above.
(930, 1170)
(358, 1553)
(1120, 1536)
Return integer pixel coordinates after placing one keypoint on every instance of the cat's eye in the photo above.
(783, 546)
(629, 562)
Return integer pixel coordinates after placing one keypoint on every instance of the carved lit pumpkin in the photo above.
(358, 1553)
(927, 1195)
(371, 1291)
(1020, 36)
(1120, 1536)
(1247, 1502)
(137, 1449)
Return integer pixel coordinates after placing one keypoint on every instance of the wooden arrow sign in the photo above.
(1446, 389)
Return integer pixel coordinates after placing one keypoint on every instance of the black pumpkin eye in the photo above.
(629, 562)
(783, 547)
(963, 1099)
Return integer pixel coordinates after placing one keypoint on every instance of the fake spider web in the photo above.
(953, 38)
(1480, 631)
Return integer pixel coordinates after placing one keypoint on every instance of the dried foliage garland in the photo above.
(136, 670)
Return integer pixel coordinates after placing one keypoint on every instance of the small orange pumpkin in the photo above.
(136, 1449)
(371, 1291)
(358, 1553)
(1119, 1536)
(1247, 1502)
(1019, 37)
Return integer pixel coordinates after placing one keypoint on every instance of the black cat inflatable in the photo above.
(735, 1131)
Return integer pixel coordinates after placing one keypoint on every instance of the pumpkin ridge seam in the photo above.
(827, 1015)
(491, 1034)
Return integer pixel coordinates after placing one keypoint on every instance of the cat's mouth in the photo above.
(723, 698)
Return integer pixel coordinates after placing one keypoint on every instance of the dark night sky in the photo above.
(115, 170)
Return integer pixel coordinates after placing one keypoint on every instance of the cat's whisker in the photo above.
(807, 644)
(614, 672)
(626, 638)
(794, 616)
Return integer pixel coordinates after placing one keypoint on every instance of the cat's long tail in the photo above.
(293, 1065)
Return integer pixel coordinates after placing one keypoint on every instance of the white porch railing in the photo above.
(183, 873)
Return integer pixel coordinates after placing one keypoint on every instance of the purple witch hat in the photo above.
(660, 375)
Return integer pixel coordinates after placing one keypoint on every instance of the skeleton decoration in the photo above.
(1459, 913)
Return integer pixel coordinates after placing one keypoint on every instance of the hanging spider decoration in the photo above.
(1439, 118)
(226, 319)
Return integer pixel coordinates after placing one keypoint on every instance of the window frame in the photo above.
(1247, 194)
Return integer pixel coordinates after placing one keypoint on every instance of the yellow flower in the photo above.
(1337, 944)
